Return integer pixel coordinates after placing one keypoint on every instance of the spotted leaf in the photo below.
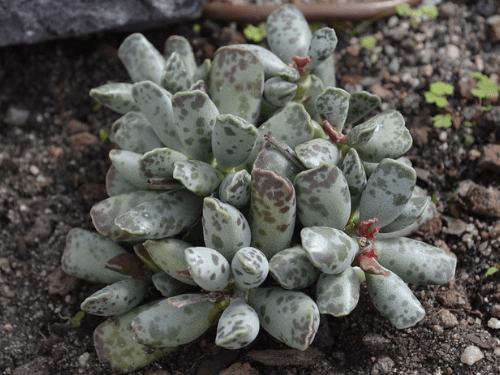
(288, 33)
(86, 253)
(326, 72)
(360, 104)
(272, 211)
(316, 152)
(333, 105)
(250, 267)
(165, 216)
(391, 139)
(323, 43)
(237, 82)
(105, 212)
(329, 249)
(392, 297)
(361, 134)
(159, 163)
(208, 268)
(163, 324)
(387, 191)
(117, 96)
(238, 325)
(116, 184)
(117, 298)
(415, 261)
(292, 269)
(273, 159)
(411, 212)
(338, 294)
(141, 59)
(225, 229)
(289, 316)
(168, 254)
(355, 175)
(278, 91)
(136, 134)
(195, 116)
(176, 76)
(199, 177)
(127, 163)
(156, 104)
(115, 344)
(182, 47)
(311, 94)
(323, 197)
(235, 188)
(233, 140)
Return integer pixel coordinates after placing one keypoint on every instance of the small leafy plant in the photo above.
(437, 95)
(255, 33)
(235, 187)
(493, 270)
(369, 42)
(486, 89)
(404, 10)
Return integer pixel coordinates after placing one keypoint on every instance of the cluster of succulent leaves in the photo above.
(238, 169)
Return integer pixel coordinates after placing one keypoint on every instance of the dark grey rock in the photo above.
(32, 21)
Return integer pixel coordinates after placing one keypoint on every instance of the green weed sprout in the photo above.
(442, 121)
(437, 93)
(255, 33)
(486, 89)
(404, 10)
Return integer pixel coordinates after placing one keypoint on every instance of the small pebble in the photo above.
(494, 323)
(443, 136)
(83, 360)
(496, 352)
(495, 311)
(448, 320)
(427, 70)
(452, 51)
(16, 116)
(471, 355)
(474, 154)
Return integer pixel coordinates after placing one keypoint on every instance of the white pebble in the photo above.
(494, 323)
(471, 355)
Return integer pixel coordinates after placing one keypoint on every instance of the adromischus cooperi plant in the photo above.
(240, 168)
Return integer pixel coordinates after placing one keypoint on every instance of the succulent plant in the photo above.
(239, 168)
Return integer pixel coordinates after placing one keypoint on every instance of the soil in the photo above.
(52, 168)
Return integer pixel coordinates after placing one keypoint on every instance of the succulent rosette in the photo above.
(238, 169)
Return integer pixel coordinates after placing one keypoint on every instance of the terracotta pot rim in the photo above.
(314, 12)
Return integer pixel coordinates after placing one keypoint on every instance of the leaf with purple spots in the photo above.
(176, 76)
(159, 163)
(181, 46)
(116, 95)
(360, 104)
(338, 294)
(355, 175)
(316, 152)
(208, 268)
(292, 269)
(323, 43)
(278, 91)
(235, 188)
(199, 177)
(250, 267)
(238, 325)
(167, 285)
(135, 133)
(127, 163)
(332, 105)
(411, 212)
(116, 184)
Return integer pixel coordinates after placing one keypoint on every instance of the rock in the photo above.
(16, 116)
(383, 365)
(83, 139)
(41, 230)
(452, 51)
(480, 200)
(494, 27)
(381, 91)
(240, 369)
(31, 21)
(447, 10)
(494, 323)
(490, 158)
(456, 227)
(448, 320)
(375, 342)
(495, 311)
(60, 283)
(471, 355)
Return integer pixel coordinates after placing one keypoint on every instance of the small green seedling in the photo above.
(255, 33)
(437, 93)
(76, 321)
(104, 136)
(404, 10)
(493, 270)
(442, 121)
(468, 139)
(486, 89)
(369, 42)
(196, 27)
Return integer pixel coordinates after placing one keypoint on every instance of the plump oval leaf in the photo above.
(195, 116)
(392, 297)
(278, 91)
(323, 197)
(272, 211)
(288, 33)
(169, 255)
(233, 140)
(165, 216)
(316, 88)
(163, 324)
(208, 268)
(387, 191)
(159, 163)
(323, 43)
(411, 212)
(332, 105)
(338, 294)
(141, 59)
(292, 269)
(415, 261)
(116, 184)
(238, 325)
(104, 213)
(326, 72)
(176, 76)
(329, 249)
(360, 104)
(235, 188)
(391, 140)
(316, 152)
(115, 344)
(180, 45)
(199, 177)
(86, 253)
(167, 285)
(355, 175)
(278, 160)
(135, 133)
(127, 163)
(117, 298)
(225, 229)
(117, 96)
(237, 82)
(250, 267)
(289, 316)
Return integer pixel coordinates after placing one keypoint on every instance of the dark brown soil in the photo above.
(52, 168)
